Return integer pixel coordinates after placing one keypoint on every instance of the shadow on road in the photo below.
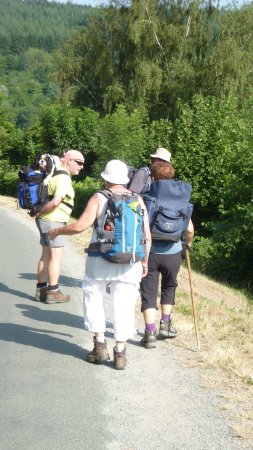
(54, 317)
(63, 280)
(41, 339)
(14, 292)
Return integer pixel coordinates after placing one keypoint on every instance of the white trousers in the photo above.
(123, 296)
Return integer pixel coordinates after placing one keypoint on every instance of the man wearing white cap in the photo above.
(56, 213)
(141, 179)
(124, 278)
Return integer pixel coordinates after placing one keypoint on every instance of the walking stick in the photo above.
(192, 296)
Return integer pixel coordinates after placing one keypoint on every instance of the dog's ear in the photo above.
(49, 165)
(37, 159)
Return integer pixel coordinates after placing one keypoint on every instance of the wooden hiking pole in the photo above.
(192, 295)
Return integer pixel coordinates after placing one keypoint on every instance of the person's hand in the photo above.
(186, 246)
(144, 269)
(53, 233)
(33, 214)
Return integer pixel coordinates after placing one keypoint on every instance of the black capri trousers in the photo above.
(168, 266)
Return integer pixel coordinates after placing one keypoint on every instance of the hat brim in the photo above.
(110, 179)
(160, 157)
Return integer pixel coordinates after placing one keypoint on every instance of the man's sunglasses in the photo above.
(80, 163)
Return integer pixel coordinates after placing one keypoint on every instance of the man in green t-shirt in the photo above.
(56, 213)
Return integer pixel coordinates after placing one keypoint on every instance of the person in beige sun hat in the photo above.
(141, 180)
(162, 154)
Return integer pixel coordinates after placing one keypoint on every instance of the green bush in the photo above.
(83, 191)
(8, 181)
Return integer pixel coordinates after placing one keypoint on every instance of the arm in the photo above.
(189, 233)
(87, 218)
(148, 239)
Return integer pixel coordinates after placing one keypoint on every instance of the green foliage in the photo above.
(8, 179)
(121, 136)
(29, 23)
(63, 127)
(159, 134)
(29, 32)
(151, 54)
(83, 192)
(206, 137)
(213, 150)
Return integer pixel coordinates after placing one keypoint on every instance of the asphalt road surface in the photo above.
(52, 399)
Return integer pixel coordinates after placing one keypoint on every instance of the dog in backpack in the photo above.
(47, 164)
(33, 182)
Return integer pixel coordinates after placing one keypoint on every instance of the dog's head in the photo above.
(44, 163)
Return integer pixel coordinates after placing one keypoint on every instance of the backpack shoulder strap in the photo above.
(135, 195)
(106, 192)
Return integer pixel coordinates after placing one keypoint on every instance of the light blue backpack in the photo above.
(121, 238)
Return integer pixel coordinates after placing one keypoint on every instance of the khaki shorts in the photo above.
(44, 226)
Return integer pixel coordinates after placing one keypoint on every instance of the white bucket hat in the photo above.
(162, 153)
(115, 172)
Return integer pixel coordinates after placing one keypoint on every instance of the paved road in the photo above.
(52, 399)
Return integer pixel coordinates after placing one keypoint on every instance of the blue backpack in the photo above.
(32, 191)
(169, 209)
(121, 239)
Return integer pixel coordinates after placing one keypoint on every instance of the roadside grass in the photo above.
(226, 332)
(224, 319)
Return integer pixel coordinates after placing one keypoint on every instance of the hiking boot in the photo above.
(166, 330)
(149, 339)
(99, 353)
(57, 297)
(120, 360)
(41, 294)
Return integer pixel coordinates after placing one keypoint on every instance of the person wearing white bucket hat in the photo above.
(141, 180)
(115, 172)
(124, 278)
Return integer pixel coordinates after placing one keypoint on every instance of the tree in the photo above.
(121, 136)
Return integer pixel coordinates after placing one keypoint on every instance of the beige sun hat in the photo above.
(115, 172)
(162, 153)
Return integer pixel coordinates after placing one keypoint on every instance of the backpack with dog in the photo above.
(169, 209)
(121, 238)
(32, 189)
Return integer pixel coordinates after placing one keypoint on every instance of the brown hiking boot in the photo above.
(166, 330)
(120, 360)
(41, 294)
(149, 339)
(57, 297)
(99, 353)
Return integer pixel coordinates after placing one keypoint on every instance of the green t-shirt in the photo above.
(60, 185)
